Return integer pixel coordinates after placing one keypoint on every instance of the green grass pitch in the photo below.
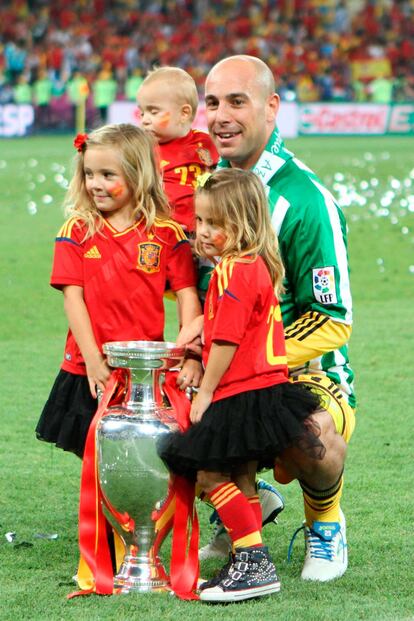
(39, 485)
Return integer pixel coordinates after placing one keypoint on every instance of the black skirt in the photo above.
(257, 425)
(68, 413)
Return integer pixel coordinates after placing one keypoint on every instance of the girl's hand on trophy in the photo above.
(98, 373)
(190, 375)
(199, 405)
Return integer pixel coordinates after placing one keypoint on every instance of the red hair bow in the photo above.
(80, 142)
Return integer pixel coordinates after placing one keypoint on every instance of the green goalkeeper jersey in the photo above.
(312, 235)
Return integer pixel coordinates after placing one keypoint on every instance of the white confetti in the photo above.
(32, 208)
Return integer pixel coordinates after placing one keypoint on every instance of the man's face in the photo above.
(240, 114)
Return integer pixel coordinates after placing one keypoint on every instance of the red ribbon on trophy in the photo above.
(96, 572)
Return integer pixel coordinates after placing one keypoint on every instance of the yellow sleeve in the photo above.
(312, 335)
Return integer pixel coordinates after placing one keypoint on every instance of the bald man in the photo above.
(242, 106)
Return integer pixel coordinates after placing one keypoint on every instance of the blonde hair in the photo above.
(139, 167)
(239, 206)
(182, 86)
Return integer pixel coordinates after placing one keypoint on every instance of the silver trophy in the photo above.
(132, 477)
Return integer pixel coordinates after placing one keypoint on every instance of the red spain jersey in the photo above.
(182, 160)
(241, 308)
(123, 276)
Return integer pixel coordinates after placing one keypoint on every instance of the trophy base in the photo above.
(139, 574)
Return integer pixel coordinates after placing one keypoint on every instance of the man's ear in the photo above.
(272, 107)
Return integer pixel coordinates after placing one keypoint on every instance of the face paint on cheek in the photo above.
(219, 239)
(116, 191)
(165, 119)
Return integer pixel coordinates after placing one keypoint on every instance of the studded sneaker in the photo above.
(220, 575)
(251, 574)
(326, 548)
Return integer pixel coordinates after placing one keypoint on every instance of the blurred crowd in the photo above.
(319, 50)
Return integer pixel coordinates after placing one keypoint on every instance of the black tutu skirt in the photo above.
(68, 413)
(257, 425)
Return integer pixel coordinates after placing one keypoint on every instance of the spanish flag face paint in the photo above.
(211, 238)
(165, 119)
(117, 190)
(219, 239)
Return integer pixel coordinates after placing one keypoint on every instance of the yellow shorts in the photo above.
(333, 401)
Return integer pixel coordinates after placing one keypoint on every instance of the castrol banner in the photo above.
(331, 119)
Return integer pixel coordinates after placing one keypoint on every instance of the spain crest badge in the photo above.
(204, 155)
(149, 257)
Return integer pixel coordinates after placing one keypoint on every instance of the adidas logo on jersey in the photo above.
(93, 253)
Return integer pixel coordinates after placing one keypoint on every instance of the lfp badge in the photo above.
(324, 288)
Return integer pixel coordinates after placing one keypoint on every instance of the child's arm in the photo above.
(219, 360)
(189, 304)
(97, 369)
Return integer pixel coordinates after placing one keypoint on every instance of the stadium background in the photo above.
(55, 55)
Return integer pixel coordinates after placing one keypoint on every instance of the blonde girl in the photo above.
(246, 411)
(112, 260)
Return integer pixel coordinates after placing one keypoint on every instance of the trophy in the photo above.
(132, 477)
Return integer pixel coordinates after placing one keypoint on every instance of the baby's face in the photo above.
(161, 114)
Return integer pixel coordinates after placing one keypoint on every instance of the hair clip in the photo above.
(202, 179)
(80, 142)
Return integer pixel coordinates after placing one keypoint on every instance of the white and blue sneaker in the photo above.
(219, 545)
(272, 504)
(271, 501)
(326, 548)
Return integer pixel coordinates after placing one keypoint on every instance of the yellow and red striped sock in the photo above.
(237, 515)
(254, 502)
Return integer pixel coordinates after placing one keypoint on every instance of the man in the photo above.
(241, 107)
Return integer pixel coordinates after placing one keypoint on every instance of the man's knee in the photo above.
(334, 443)
(296, 464)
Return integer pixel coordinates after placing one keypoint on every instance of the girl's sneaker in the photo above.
(221, 575)
(251, 574)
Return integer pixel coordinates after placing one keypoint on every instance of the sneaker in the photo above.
(251, 574)
(272, 504)
(271, 501)
(219, 545)
(223, 573)
(326, 550)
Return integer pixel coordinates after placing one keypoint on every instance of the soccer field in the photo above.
(373, 179)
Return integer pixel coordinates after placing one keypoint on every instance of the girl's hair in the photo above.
(239, 206)
(139, 167)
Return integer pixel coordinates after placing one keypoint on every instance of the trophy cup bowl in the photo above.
(132, 477)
